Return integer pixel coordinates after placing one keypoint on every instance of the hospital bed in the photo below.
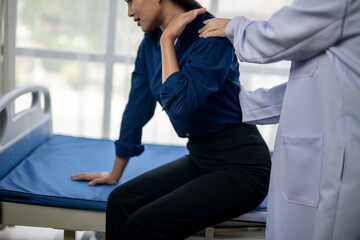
(36, 165)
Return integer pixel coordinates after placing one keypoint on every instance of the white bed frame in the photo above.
(14, 127)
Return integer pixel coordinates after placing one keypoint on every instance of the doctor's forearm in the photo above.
(168, 56)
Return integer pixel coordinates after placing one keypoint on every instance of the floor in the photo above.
(31, 233)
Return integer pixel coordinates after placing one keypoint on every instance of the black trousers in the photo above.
(225, 175)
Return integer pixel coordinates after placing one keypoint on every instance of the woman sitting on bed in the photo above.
(197, 83)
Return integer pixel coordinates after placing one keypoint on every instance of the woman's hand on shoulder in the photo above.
(214, 27)
(177, 26)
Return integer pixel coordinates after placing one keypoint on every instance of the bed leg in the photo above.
(100, 236)
(69, 235)
(209, 232)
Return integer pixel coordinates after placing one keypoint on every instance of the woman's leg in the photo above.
(209, 199)
(226, 175)
(142, 190)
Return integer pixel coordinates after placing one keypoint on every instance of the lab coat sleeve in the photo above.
(262, 106)
(296, 32)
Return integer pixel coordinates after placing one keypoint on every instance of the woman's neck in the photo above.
(170, 11)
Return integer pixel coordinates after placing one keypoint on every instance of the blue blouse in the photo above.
(200, 99)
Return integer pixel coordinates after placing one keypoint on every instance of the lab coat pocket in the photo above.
(304, 68)
(302, 164)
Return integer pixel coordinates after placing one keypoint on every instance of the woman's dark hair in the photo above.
(188, 5)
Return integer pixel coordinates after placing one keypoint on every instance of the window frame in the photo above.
(109, 58)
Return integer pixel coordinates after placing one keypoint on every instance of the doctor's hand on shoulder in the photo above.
(99, 178)
(214, 27)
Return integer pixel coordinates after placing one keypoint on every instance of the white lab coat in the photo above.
(315, 181)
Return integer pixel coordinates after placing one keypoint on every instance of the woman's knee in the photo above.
(114, 197)
(114, 203)
(119, 208)
(121, 204)
(137, 227)
(120, 196)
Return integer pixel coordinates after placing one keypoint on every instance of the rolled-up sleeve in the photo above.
(187, 90)
(139, 110)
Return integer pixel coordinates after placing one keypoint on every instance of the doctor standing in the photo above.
(315, 180)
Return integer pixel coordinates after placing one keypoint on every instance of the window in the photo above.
(65, 25)
(2, 29)
(84, 51)
(76, 92)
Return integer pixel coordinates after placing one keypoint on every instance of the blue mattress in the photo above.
(44, 177)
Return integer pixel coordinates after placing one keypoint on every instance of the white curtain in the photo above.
(2, 16)
(7, 45)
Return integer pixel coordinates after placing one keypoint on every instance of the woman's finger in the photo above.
(191, 15)
(102, 180)
(178, 25)
(84, 176)
(199, 11)
(97, 181)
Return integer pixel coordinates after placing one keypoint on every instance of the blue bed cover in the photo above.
(43, 177)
